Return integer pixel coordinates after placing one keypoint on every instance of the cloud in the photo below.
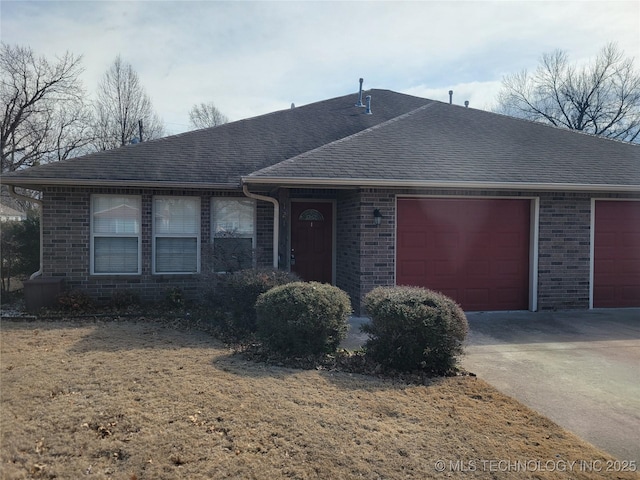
(480, 95)
(254, 57)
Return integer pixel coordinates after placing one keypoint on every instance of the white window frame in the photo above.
(252, 236)
(94, 235)
(156, 235)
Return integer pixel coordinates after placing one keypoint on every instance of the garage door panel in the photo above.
(414, 239)
(444, 268)
(616, 262)
(449, 292)
(480, 268)
(507, 267)
(475, 247)
(476, 296)
(508, 240)
(413, 269)
(631, 240)
(631, 267)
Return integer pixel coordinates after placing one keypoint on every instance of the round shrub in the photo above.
(237, 294)
(303, 318)
(414, 328)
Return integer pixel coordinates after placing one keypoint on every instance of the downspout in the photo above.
(13, 193)
(276, 219)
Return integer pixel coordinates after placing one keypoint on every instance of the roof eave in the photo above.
(39, 183)
(365, 182)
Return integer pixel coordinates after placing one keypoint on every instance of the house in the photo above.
(498, 213)
(10, 214)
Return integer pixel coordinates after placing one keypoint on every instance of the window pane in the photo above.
(232, 254)
(232, 217)
(176, 215)
(177, 255)
(113, 214)
(115, 255)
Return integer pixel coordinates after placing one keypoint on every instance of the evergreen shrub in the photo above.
(414, 328)
(303, 318)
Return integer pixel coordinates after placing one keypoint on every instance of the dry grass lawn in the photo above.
(140, 400)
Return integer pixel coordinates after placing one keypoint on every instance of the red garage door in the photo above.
(616, 255)
(473, 250)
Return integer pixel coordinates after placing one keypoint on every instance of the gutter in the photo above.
(27, 182)
(13, 193)
(276, 219)
(364, 182)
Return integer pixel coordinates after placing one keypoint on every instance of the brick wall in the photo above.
(348, 250)
(377, 243)
(564, 250)
(66, 248)
(365, 254)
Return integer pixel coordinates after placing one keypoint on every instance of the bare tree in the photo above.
(206, 115)
(123, 105)
(44, 112)
(601, 98)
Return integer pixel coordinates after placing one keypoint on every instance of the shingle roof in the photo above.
(407, 141)
(219, 156)
(440, 144)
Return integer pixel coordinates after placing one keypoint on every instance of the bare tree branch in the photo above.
(602, 98)
(35, 93)
(205, 115)
(121, 103)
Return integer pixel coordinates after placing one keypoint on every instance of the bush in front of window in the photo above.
(414, 328)
(303, 318)
(124, 299)
(174, 298)
(75, 301)
(236, 293)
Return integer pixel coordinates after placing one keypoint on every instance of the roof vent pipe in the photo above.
(450, 97)
(466, 103)
(368, 111)
(360, 104)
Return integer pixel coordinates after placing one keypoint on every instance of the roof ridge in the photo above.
(555, 127)
(345, 139)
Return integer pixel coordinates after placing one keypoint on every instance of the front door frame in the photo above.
(333, 203)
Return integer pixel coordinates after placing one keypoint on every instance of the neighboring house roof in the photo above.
(444, 145)
(219, 156)
(8, 213)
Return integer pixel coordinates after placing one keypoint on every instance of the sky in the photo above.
(255, 57)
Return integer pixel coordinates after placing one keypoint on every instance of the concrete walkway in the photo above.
(579, 368)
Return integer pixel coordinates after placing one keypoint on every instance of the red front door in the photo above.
(312, 240)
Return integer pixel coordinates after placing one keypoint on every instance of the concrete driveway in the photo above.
(580, 369)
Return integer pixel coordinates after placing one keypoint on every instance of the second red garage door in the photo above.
(616, 270)
(475, 251)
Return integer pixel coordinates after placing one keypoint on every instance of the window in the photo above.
(115, 234)
(233, 233)
(176, 234)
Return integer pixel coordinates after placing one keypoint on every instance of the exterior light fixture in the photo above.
(377, 217)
